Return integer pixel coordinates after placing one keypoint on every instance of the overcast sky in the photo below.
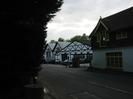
(81, 16)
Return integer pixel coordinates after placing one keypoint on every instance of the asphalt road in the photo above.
(77, 83)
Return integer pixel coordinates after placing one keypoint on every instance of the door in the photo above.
(64, 57)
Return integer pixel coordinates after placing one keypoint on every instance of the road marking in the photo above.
(75, 96)
(108, 87)
(94, 96)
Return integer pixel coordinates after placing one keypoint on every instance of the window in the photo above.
(98, 37)
(121, 36)
(102, 38)
(81, 56)
(114, 60)
(105, 36)
(48, 54)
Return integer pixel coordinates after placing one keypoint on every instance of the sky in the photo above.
(77, 17)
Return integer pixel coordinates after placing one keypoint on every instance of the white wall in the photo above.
(99, 58)
(128, 59)
(48, 58)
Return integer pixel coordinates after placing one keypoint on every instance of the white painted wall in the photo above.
(99, 58)
(47, 58)
(128, 59)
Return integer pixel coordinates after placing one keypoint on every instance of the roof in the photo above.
(52, 45)
(63, 44)
(77, 43)
(120, 20)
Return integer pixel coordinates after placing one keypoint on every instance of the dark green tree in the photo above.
(83, 39)
(23, 25)
(61, 39)
(53, 41)
(76, 38)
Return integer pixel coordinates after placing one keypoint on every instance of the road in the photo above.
(77, 83)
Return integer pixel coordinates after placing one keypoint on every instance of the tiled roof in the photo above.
(52, 45)
(63, 44)
(121, 20)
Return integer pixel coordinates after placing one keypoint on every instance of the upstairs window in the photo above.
(98, 36)
(105, 36)
(120, 36)
(102, 38)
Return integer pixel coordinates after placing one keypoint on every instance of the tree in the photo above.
(83, 39)
(75, 38)
(23, 32)
(52, 41)
(61, 39)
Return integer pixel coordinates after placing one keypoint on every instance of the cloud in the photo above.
(81, 16)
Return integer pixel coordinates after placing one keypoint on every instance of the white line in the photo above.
(108, 87)
(75, 96)
(94, 96)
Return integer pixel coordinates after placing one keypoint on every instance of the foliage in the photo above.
(75, 38)
(23, 32)
(52, 41)
(61, 39)
(79, 38)
(82, 39)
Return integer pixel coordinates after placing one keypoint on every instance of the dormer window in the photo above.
(121, 35)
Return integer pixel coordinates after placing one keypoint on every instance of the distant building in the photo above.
(58, 48)
(48, 52)
(52, 49)
(61, 51)
(74, 49)
(112, 42)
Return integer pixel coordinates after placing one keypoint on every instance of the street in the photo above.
(78, 83)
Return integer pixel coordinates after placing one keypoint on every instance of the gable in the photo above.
(63, 44)
(52, 45)
(48, 48)
(118, 21)
(76, 46)
(57, 48)
(100, 25)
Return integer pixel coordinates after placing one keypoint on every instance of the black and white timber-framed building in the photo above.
(59, 52)
(74, 49)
